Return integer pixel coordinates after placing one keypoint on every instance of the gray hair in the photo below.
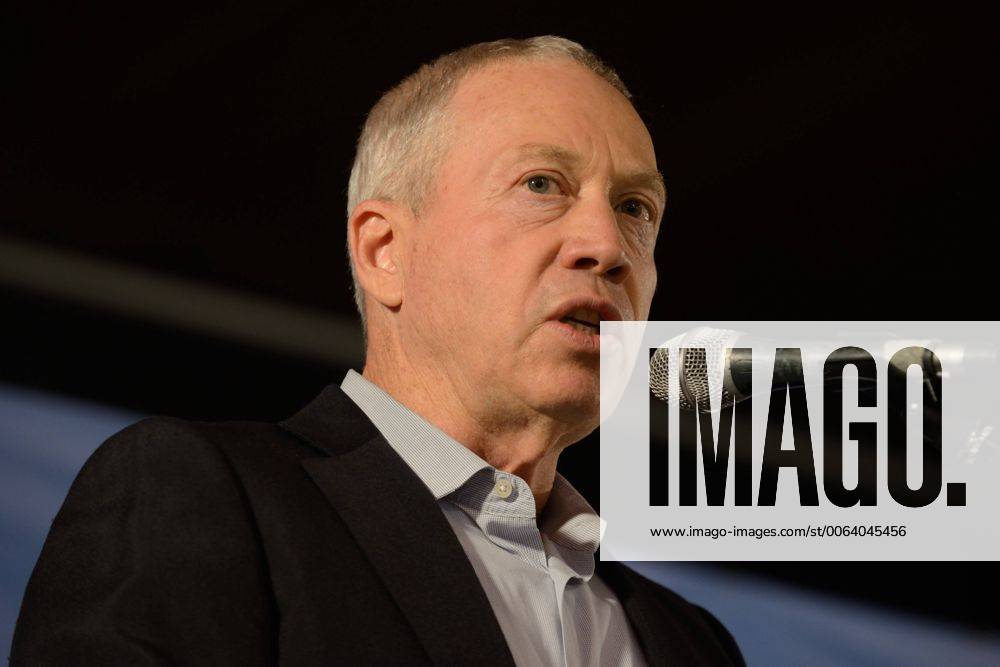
(401, 144)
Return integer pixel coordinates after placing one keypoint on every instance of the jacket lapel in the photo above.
(398, 523)
(664, 632)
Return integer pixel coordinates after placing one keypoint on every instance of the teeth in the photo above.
(585, 328)
(585, 315)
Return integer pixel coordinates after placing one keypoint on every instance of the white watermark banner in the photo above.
(771, 441)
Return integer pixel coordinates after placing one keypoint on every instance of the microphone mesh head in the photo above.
(659, 374)
(702, 353)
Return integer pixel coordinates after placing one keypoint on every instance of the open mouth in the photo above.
(583, 319)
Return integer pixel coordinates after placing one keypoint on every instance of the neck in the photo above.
(519, 441)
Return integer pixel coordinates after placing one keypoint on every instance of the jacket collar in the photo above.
(670, 630)
(401, 528)
(397, 522)
(443, 464)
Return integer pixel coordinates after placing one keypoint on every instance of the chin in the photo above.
(570, 395)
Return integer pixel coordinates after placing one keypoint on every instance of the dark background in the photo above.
(827, 164)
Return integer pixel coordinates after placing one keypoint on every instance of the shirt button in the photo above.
(503, 488)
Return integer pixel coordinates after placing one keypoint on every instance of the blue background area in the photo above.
(45, 439)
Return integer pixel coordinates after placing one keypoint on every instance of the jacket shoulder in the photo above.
(157, 541)
(171, 449)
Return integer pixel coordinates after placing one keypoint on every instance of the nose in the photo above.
(593, 242)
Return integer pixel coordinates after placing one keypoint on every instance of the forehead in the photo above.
(553, 101)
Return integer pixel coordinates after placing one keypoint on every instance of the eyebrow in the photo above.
(549, 152)
(650, 179)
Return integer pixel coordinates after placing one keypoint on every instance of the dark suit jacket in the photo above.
(308, 542)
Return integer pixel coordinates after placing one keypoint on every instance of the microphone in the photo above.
(701, 353)
(706, 352)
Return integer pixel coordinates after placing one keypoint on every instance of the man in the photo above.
(503, 201)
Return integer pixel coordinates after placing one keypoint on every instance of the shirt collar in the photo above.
(442, 463)
(569, 520)
(449, 469)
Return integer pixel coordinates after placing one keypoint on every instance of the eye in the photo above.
(543, 185)
(636, 208)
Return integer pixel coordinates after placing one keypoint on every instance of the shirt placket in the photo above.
(512, 495)
(560, 575)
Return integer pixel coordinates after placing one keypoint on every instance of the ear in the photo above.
(376, 228)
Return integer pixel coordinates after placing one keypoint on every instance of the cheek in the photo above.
(435, 281)
(452, 280)
(643, 288)
(480, 276)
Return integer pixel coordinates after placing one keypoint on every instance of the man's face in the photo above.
(541, 221)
